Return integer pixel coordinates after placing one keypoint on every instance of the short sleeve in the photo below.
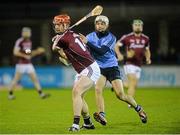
(122, 40)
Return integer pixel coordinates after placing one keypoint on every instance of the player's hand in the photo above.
(120, 57)
(83, 38)
(64, 61)
(62, 54)
(148, 61)
(130, 53)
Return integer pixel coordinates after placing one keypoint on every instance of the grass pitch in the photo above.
(29, 114)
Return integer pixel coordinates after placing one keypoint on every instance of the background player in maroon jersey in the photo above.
(136, 47)
(71, 49)
(22, 50)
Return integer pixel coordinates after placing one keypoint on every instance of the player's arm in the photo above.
(99, 50)
(64, 61)
(118, 45)
(148, 55)
(130, 53)
(18, 53)
(55, 41)
(62, 54)
(38, 51)
(63, 58)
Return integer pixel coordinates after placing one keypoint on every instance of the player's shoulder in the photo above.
(57, 38)
(126, 36)
(91, 34)
(69, 32)
(145, 36)
(129, 34)
(19, 40)
(112, 36)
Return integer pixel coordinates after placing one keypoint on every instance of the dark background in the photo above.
(161, 24)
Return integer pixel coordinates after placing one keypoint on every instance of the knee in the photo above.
(76, 91)
(120, 96)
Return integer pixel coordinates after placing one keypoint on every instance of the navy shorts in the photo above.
(111, 73)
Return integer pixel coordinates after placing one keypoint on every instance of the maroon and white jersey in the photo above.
(23, 44)
(136, 43)
(75, 50)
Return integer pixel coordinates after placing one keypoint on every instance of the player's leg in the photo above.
(125, 84)
(124, 79)
(133, 74)
(99, 93)
(14, 82)
(118, 88)
(34, 78)
(79, 88)
(119, 91)
(85, 113)
(114, 76)
(100, 115)
(133, 81)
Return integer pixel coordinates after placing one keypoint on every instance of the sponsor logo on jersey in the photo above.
(133, 45)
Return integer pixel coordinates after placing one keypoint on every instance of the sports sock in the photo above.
(40, 92)
(10, 92)
(76, 120)
(87, 120)
(138, 108)
(102, 114)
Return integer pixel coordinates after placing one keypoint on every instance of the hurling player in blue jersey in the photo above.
(101, 43)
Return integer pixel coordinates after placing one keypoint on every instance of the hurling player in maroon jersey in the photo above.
(22, 51)
(72, 50)
(137, 48)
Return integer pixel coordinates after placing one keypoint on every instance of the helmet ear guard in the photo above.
(62, 19)
(102, 18)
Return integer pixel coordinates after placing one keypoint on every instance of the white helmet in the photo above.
(102, 18)
(26, 29)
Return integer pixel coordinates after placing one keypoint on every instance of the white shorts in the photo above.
(25, 68)
(132, 69)
(92, 71)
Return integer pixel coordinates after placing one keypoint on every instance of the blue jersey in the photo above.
(108, 59)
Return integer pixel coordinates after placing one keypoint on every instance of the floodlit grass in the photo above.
(30, 114)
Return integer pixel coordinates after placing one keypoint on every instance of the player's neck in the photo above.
(26, 38)
(137, 34)
(102, 34)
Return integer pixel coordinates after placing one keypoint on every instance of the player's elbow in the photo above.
(15, 53)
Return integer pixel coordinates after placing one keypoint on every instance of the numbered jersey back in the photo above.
(75, 50)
